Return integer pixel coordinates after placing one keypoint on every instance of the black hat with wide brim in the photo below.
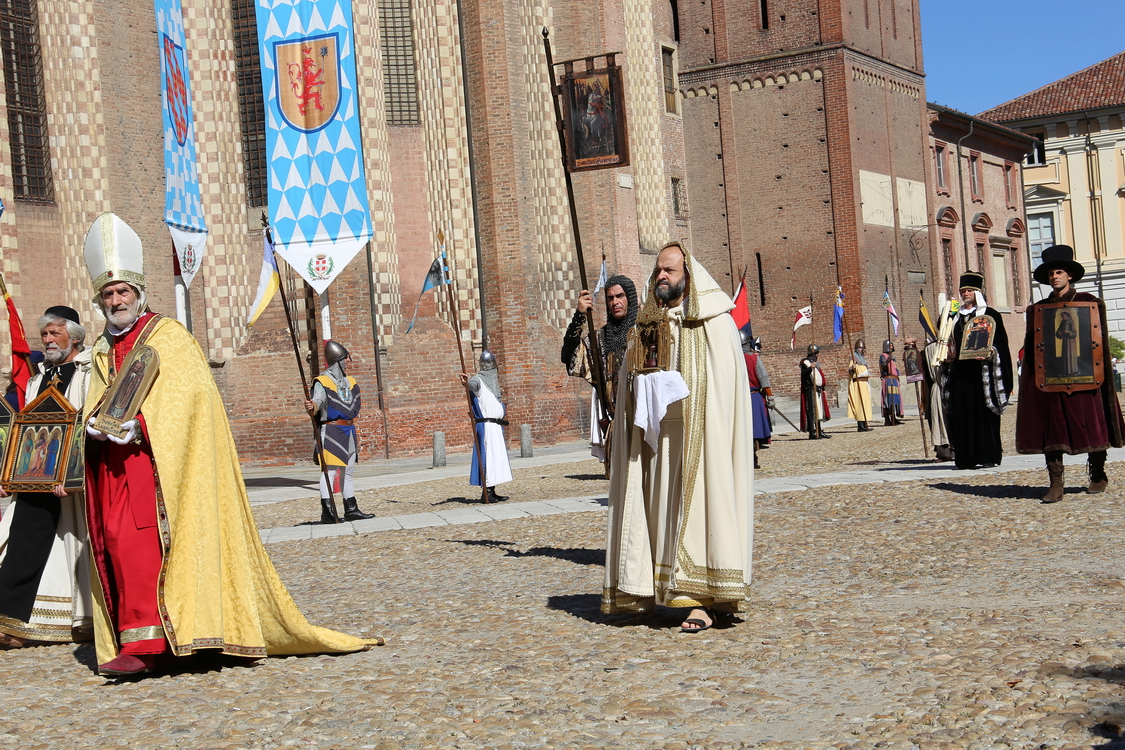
(1058, 256)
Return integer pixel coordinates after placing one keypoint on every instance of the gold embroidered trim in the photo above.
(51, 614)
(41, 598)
(141, 634)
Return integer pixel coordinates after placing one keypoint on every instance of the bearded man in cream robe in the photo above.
(681, 503)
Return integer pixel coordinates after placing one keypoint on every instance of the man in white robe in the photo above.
(44, 551)
(488, 414)
(681, 503)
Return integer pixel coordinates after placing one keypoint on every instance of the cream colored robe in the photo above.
(859, 393)
(681, 519)
(62, 602)
(218, 588)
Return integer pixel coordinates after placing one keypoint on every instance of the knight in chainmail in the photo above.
(621, 315)
(335, 401)
(488, 416)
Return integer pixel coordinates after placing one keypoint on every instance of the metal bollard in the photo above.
(439, 450)
(525, 441)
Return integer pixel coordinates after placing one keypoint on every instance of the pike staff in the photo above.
(455, 314)
(594, 350)
(304, 382)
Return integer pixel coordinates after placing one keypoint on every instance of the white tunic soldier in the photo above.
(488, 413)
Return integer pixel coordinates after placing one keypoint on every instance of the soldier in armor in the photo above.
(814, 400)
(336, 403)
(621, 315)
(761, 395)
(891, 395)
(488, 414)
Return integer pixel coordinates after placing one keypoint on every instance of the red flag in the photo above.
(21, 351)
(741, 311)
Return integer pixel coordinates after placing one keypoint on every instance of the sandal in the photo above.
(11, 641)
(703, 624)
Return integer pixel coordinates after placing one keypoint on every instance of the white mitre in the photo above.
(113, 253)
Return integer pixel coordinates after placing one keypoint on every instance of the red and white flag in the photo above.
(804, 318)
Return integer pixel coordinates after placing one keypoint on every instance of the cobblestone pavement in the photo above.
(931, 613)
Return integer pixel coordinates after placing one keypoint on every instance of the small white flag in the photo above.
(603, 277)
(804, 318)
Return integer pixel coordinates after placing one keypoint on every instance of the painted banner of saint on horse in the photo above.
(594, 117)
(317, 191)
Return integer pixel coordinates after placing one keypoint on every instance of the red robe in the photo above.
(124, 538)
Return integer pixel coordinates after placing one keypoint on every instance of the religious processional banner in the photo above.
(183, 207)
(317, 191)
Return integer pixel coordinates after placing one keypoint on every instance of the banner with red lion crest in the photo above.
(183, 206)
(318, 205)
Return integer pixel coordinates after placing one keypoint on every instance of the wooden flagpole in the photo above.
(304, 381)
(594, 350)
(455, 314)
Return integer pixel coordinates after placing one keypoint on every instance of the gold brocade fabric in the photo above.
(218, 588)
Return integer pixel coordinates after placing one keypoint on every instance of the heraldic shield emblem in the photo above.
(176, 88)
(308, 81)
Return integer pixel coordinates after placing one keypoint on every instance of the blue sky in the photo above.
(980, 53)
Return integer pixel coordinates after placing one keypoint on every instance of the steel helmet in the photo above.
(334, 352)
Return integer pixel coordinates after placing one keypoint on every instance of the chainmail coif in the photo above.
(615, 334)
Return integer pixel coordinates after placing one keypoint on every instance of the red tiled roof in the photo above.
(1098, 86)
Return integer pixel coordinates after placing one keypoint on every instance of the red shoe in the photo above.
(127, 664)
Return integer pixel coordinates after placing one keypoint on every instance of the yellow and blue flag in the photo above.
(924, 318)
(268, 282)
(838, 321)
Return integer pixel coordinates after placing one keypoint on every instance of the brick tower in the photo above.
(804, 127)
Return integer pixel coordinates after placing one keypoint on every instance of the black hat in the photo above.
(1058, 256)
(971, 280)
(62, 311)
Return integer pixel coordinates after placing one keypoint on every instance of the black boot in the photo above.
(352, 511)
(494, 497)
(328, 510)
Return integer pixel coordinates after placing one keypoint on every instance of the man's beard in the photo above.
(124, 318)
(57, 356)
(667, 292)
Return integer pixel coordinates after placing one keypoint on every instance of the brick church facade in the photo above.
(786, 138)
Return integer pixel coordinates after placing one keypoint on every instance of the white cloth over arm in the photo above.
(654, 393)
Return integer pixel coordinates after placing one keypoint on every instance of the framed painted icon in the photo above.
(976, 341)
(594, 121)
(912, 363)
(1069, 349)
(127, 392)
(39, 444)
(74, 479)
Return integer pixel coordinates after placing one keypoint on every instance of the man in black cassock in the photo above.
(978, 389)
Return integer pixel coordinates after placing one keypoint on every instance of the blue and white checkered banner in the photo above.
(317, 191)
(183, 207)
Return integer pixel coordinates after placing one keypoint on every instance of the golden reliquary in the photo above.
(650, 347)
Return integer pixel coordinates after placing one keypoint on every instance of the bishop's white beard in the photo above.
(123, 319)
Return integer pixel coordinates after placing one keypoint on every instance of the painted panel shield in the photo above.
(308, 81)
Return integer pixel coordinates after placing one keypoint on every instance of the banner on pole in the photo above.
(317, 191)
(183, 206)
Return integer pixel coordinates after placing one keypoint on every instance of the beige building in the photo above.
(1074, 179)
(976, 211)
